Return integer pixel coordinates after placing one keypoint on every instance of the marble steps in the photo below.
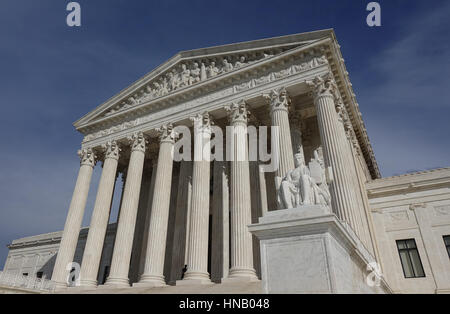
(224, 288)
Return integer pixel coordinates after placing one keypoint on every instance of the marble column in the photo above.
(159, 217)
(123, 245)
(197, 262)
(240, 197)
(335, 148)
(279, 107)
(100, 217)
(74, 219)
(362, 221)
(361, 179)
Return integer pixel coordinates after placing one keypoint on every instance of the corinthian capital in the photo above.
(238, 112)
(202, 122)
(278, 99)
(138, 142)
(87, 157)
(324, 86)
(112, 150)
(167, 133)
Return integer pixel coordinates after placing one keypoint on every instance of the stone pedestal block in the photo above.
(308, 250)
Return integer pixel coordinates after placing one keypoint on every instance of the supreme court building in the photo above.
(322, 220)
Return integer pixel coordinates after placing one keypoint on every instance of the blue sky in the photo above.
(51, 75)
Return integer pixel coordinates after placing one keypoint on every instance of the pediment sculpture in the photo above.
(304, 185)
(163, 86)
(187, 74)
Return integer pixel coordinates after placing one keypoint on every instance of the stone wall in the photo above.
(413, 206)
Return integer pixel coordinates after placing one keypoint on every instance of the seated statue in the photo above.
(299, 188)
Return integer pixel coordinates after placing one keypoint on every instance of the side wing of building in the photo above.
(35, 256)
(411, 215)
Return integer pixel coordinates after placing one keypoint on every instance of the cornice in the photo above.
(342, 78)
(409, 183)
(50, 238)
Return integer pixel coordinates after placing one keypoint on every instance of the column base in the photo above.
(117, 283)
(150, 281)
(193, 282)
(194, 278)
(308, 250)
(239, 280)
(241, 274)
(88, 283)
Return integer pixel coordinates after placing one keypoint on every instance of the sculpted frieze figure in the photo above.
(173, 80)
(227, 67)
(185, 76)
(240, 63)
(212, 70)
(203, 73)
(132, 101)
(196, 71)
(157, 90)
(195, 74)
(164, 87)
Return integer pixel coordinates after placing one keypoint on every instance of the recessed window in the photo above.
(25, 274)
(39, 274)
(410, 259)
(447, 244)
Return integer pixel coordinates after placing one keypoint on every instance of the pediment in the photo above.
(190, 68)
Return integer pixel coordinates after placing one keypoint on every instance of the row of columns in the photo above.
(241, 260)
(338, 156)
(197, 256)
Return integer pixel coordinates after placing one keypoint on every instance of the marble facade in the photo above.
(216, 221)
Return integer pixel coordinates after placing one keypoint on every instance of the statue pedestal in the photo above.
(308, 250)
